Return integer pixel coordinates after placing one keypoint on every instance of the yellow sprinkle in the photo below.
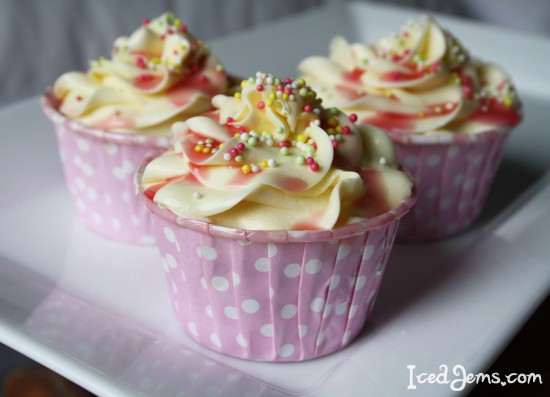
(339, 129)
(333, 121)
(264, 164)
(311, 94)
(270, 102)
(246, 169)
(301, 82)
(421, 114)
(388, 93)
(237, 134)
(301, 138)
(219, 147)
(285, 96)
(237, 95)
(199, 148)
(507, 101)
(206, 149)
(243, 83)
(177, 22)
(272, 96)
(331, 131)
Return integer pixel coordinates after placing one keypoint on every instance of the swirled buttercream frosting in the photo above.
(155, 76)
(271, 157)
(421, 80)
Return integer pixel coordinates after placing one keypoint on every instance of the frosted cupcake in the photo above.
(275, 217)
(448, 113)
(109, 118)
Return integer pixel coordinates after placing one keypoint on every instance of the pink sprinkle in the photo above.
(435, 67)
(279, 87)
(288, 91)
(334, 144)
(203, 78)
(467, 90)
(353, 117)
(140, 63)
(310, 161)
(241, 146)
(182, 29)
(346, 130)
(78, 98)
(314, 167)
(145, 21)
(307, 108)
(260, 87)
(169, 31)
(287, 80)
(314, 144)
(230, 120)
(285, 144)
(261, 105)
(233, 152)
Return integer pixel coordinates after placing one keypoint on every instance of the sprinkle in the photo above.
(198, 148)
(309, 160)
(182, 29)
(353, 117)
(284, 151)
(245, 136)
(241, 146)
(246, 169)
(237, 95)
(265, 164)
(314, 167)
(335, 144)
(421, 114)
(301, 160)
(254, 168)
(227, 156)
(269, 142)
(272, 162)
(197, 195)
(78, 98)
(382, 160)
(285, 144)
(308, 108)
(206, 150)
(238, 158)
(301, 138)
(230, 120)
(507, 101)
(303, 92)
(233, 152)
(261, 105)
(259, 87)
(203, 78)
(145, 21)
(252, 141)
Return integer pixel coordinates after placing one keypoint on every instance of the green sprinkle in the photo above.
(284, 151)
(301, 160)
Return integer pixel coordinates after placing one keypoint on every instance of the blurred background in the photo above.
(39, 40)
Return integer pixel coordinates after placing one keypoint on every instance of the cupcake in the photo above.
(274, 217)
(109, 118)
(449, 115)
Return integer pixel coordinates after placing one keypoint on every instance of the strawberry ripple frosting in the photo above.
(272, 158)
(419, 80)
(155, 76)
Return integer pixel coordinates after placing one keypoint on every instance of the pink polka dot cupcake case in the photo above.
(99, 168)
(273, 295)
(453, 175)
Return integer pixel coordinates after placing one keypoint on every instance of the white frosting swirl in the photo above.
(159, 74)
(272, 158)
(419, 80)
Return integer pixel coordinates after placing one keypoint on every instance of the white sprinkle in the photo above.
(269, 142)
(272, 162)
(269, 80)
(226, 156)
(317, 111)
(292, 97)
(245, 136)
(254, 168)
(197, 195)
(279, 94)
(254, 134)
(383, 161)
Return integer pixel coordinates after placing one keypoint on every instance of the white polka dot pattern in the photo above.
(99, 172)
(452, 180)
(272, 301)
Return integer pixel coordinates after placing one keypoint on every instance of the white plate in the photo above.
(98, 311)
